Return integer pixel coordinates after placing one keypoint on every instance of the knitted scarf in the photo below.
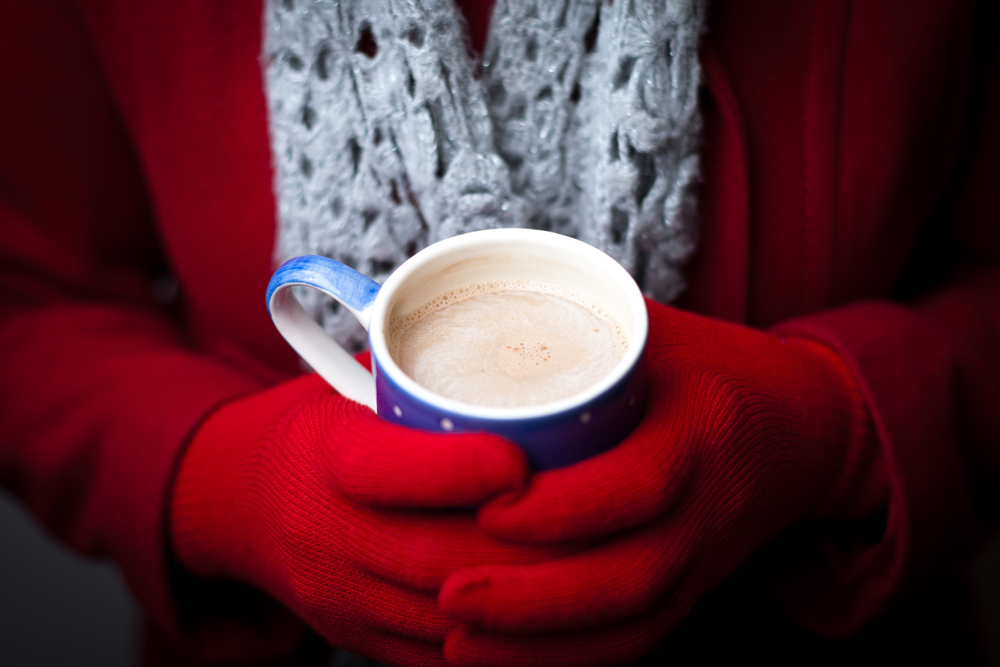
(580, 118)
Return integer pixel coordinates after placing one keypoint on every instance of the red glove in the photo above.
(745, 433)
(254, 501)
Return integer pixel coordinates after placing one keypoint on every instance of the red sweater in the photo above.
(848, 158)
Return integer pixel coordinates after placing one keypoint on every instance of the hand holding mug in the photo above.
(746, 432)
(283, 489)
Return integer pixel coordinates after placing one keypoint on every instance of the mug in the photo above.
(553, 434)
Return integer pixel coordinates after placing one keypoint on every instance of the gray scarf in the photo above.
(581, 118)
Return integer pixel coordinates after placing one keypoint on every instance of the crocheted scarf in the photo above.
(580, 118)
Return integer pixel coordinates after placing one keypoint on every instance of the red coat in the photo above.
(849, 155)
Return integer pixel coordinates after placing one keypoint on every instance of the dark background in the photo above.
(57, 608)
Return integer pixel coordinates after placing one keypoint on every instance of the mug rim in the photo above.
(398, 279)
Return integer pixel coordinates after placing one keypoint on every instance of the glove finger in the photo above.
(607, 584)
(409, 616)
(624, 487)
(378, 463)
(620, 644)
(412, 549)
(420, 550)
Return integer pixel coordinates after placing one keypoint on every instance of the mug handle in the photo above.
(353, 290)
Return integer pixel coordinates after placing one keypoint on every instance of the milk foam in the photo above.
(507, 344)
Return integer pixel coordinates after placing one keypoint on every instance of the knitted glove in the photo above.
(744, 434)
(260, 498)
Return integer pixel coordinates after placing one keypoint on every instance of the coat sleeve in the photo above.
(100, 385)
(928, 364)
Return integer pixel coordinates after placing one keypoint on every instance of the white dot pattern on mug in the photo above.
(447, 424)
(585, 417)
(399, 413)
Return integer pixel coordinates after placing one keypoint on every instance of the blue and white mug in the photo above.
(554, 434)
